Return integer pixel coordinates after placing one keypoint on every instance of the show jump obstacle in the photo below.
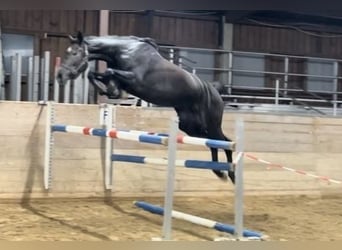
(170, 140)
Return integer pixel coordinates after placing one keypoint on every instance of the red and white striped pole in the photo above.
(274, 165)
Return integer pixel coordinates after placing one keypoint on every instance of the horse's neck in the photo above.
(121, 52)
(109, 41)
(102, 57)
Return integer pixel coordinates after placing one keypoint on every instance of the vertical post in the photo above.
(226, 58)
(286, 76)
(30, 79)
(35, 81)
(277, 92)
(46, 76)
(41, 83)
(335, 83)
(15, 82)
(106, 121)
(180, 62)
(48, 145)
(230, 72)
(2, 81)
(238, 204)
(67, 92)
(103, 31)
(2, 71)
(77, 90)
(18, 76)
(171, 55)
(85, 86)
(104, 22)
(172, 147)
(55, 82)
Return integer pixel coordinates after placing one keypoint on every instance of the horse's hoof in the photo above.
(224, 178)
(221, 175)
(231, 175)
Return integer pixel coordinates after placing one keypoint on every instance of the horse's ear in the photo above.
(72, 39)
(150, 41)
(79, 37)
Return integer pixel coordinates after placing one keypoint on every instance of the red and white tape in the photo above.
(274, 165)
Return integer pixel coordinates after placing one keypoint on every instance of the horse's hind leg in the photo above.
(214, 157)
(218, 135)
(229, 155)
(221, 174)
(189, 125)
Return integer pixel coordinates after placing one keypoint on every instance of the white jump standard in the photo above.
(170, 140)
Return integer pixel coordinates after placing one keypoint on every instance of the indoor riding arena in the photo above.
(80, 163)
(279, 203)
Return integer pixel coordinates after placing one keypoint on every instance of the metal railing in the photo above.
(39, 83)
(41, 86)
(312, 96)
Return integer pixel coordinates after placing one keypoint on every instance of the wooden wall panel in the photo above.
(186, 32)
(91, 22)
(165, 29)
(124, 24)
(285, 41)
(311, 144)
(277, 64)
(169, 30)
(56, 21)
(273, 64)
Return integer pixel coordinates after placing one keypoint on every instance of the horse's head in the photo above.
(75, 61)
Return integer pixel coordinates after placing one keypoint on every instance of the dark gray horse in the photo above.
(136, 67)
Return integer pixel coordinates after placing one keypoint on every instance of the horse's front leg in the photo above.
(126, 76)
(105, 84)
(92, 76)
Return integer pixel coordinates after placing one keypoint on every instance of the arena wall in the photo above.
(312, 144)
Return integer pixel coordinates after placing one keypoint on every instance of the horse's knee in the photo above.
(91, 75)
(113, 91)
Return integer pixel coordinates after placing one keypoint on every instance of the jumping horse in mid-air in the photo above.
(136, 67)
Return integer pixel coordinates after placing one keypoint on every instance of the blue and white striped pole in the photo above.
(196, 220)
(181, 163)
(143, 136)
(190, 140)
